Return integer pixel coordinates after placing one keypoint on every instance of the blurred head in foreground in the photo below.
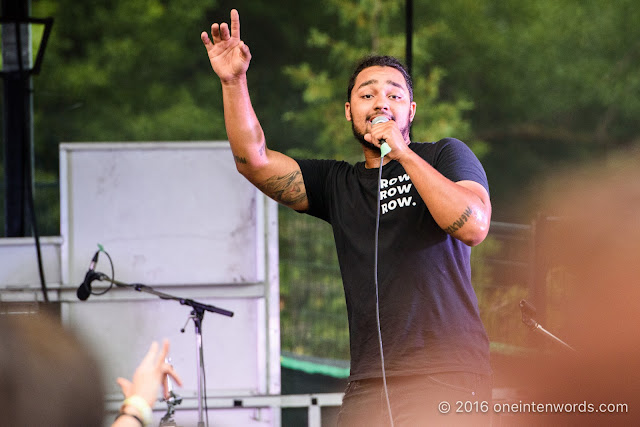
(47, 377)
(598, 244)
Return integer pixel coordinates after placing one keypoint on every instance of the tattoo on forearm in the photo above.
(239, 159)
(287, 189)
(460, 222)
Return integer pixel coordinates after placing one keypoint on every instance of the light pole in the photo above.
(17, 103)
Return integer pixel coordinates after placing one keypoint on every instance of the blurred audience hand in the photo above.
(152, 371)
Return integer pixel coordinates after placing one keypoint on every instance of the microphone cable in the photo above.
(113, 273)
(375, 275)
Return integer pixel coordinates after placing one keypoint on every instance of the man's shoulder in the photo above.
(437, 145)
(442, 149)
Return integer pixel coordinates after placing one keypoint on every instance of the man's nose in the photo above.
(382, 103)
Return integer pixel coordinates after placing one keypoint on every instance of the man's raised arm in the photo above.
(275, 174)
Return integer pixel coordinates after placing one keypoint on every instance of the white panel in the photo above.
(120, 334)
(167, 213)
(178, 216)
(19, 262)
(273, 302)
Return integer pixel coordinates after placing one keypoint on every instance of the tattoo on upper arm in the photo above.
(239, 159)
(286, 189)
(460, 222)
(262, 149)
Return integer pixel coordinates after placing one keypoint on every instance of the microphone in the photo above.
(527, 308)
(84, 290)
(384, 147)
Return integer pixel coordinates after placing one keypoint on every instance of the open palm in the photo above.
(229, 56)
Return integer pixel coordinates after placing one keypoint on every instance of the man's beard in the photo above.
(360, 136)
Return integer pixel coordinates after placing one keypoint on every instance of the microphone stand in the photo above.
(197, 314)
(173, 400)
(527, 312)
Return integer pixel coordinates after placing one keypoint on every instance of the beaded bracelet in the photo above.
(142, 406)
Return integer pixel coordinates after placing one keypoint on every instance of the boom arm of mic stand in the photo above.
(184, 301)
(527, 310)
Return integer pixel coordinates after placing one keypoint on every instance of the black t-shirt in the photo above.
(428, 310)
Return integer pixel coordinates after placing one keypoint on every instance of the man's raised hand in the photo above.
(229, 56)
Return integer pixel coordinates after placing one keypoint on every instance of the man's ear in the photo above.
(413, 111)
(347, 110)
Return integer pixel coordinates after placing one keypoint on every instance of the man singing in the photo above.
(416, 338)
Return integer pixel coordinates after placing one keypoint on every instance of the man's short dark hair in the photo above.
(382, 61)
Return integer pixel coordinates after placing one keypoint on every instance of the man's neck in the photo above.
(372, 158)
(372, 161)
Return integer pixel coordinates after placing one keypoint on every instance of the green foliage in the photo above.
(362, 30)
(530, 86)
(552, 83)
(124, 71)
